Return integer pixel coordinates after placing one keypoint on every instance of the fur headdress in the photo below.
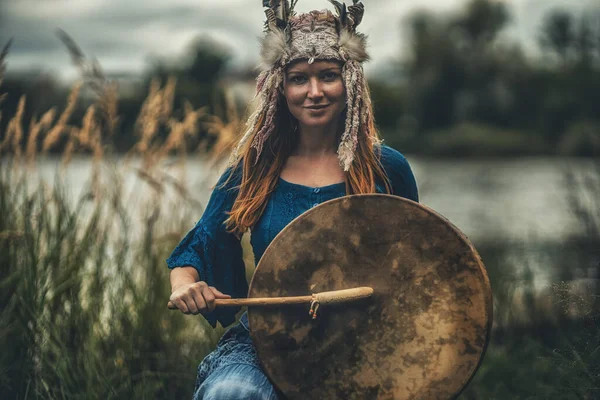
(311, 36)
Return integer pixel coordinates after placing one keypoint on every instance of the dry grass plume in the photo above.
(100, 123)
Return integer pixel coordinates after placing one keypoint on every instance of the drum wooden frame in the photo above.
(421, 335)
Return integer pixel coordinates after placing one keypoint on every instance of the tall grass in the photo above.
(546, 344)
(83, 301)
(83, 284)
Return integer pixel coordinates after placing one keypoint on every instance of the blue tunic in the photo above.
(217, 254)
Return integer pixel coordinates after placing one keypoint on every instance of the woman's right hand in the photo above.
(196, 298)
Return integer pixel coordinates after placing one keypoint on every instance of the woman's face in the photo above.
(315, 93)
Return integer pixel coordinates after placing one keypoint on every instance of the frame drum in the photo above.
(421, 335)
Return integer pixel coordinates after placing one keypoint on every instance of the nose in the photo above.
(314, 89)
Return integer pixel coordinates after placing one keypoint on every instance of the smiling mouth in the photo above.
(318, 107)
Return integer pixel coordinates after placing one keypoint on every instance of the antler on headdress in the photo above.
(349, 17)
(278, 13)
(356, 10)
(341, 11)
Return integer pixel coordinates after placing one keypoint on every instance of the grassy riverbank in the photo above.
(83, 297)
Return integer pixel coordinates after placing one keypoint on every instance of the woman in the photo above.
(311, 139)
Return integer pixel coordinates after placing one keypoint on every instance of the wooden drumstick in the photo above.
(336, 296)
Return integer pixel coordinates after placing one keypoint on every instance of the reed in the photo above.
(56, 131)
(83, 302)
(83, 292)
(546, 343)
(36, 129)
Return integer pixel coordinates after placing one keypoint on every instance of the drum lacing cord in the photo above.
(337, 296)
(314, 306)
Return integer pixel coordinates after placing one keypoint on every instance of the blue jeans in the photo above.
(232, 370)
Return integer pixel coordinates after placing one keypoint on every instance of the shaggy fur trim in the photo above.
(354, 46)
(274, 48)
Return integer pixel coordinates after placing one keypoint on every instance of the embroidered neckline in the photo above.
(311, 188)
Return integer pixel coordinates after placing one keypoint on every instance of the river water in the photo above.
(525, 201)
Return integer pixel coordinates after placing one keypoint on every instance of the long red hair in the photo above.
(260, 176)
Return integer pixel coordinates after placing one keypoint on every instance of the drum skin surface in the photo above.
(423, 333)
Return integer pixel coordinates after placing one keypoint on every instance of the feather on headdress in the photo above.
(311, 36)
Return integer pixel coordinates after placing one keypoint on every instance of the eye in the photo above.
(297, 79)
(330, 76)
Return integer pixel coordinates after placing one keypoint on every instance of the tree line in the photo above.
(465, 84)
(463, 88)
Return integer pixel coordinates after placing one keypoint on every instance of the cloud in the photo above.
(129, 30)
(123, 34)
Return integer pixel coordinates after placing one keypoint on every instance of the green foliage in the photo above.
(476, 140)
(198, 73)
(387, 103)
(483, 20)
(539, 348)
(463, 71)
(582, 137)
(558, 33)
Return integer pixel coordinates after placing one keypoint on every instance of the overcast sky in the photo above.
(123, 34)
